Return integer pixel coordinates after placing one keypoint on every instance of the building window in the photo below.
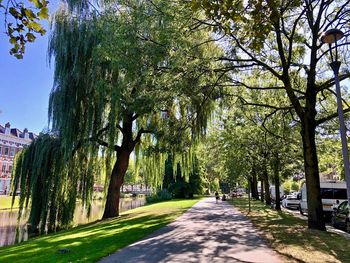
(6, 151)
(12, 151)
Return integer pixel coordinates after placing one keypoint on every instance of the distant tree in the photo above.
(177, 184)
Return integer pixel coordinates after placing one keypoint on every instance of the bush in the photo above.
(162, 195)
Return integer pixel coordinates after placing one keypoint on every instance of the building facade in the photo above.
(12, 140)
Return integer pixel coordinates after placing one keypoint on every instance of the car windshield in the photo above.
(343, 206)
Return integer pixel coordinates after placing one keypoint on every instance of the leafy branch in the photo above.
(22, 23)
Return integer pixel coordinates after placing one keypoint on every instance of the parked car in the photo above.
(291, 201)
(341, 217)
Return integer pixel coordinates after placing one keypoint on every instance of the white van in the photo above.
(330, 194)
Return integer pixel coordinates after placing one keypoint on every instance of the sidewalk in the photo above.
(208, 232)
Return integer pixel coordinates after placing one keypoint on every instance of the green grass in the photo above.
(291, 238)
(5, 202)
(88, 243)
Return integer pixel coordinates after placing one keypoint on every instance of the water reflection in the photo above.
(8, 219)
(8, 228)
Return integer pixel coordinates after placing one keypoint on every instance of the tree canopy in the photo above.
(135, 75)
(280, 41)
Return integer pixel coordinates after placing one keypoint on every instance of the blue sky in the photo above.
(25, 84)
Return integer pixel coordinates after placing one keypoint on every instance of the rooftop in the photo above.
(25, 134)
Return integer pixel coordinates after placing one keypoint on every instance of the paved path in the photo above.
(208, 232)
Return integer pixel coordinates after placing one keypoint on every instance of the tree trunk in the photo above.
(262, 189)
(116, 181)
(314, 202)
(276, 175)
(120, 168)
(249, 192)
(266, 186)
(254, 188)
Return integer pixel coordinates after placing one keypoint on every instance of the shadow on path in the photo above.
(208, 232)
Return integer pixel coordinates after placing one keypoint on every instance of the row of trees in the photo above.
(279, 42)
(142, 77)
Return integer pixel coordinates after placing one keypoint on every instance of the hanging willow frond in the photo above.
(116, 69)
(49, 183)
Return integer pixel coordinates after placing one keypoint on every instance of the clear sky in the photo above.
(25, 84)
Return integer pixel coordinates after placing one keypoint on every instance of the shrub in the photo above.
(162, 195)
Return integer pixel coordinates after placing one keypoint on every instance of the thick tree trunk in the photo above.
(120, 168)
(314, 202)
(116, 181)
(266, 186)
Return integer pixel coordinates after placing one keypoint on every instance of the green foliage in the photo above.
(23, 23)
(178, 185)
(129, 76)
(274, 48)
(330, 156)
(141, 75)
(294, 186)
(47, 184)
(251, 21)
(90, 243)
(290, 186)
(161, 195)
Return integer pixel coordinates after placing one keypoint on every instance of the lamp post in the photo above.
(332, 36)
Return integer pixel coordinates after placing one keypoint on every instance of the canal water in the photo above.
(8, 219)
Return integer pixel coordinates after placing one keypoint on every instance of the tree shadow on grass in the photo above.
(88, 242)
(284, 230)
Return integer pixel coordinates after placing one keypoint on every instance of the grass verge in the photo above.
(88, 243)
(291, 238)
(5, 202)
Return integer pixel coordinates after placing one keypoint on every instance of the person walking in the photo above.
(217, 197)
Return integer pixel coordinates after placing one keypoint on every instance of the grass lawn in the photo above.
(88, 243)
(291, 238)
(5, 202)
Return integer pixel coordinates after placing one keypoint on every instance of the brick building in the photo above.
(12, 140)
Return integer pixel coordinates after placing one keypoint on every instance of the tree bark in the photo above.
(314, 202)
(276, 168)
(266, 186)
(116, 181)
(262, 189)
(120, 167)
(254, 188)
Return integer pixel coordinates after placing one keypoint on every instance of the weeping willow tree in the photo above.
(50, 183)
(134, 76)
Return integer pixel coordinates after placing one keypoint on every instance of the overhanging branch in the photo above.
(330, 117)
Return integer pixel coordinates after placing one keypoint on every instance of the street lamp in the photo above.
(332, 36)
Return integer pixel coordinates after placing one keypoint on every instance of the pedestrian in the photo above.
(217, 197)
(223, 197)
